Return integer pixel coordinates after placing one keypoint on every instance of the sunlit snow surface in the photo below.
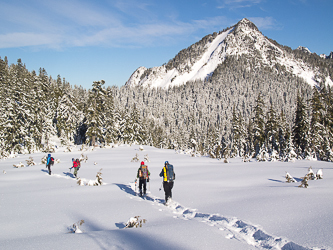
(215, 205)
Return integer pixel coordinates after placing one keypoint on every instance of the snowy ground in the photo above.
(215, 205)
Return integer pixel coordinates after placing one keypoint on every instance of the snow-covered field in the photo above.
(215, 205)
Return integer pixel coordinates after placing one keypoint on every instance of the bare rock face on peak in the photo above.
(200, 60)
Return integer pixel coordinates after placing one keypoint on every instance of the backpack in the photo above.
(51, 161)
(170, 173)
(143, 172)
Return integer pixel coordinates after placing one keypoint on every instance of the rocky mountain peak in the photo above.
(200, 60)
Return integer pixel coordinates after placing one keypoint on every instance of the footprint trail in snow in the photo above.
(234, 227)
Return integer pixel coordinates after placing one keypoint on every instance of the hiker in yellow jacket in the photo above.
(168, 177)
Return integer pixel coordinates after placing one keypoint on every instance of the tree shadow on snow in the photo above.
(276, 180)
(69, 174)
(120, 225)
(126, 188)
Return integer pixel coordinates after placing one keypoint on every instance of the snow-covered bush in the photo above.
(48, 149)
(75, 228)
(141, 148)
(30, 162)
(146, 159)
(263, 154)
(135, 222)
(20, 165)
(97, 182)
(68, 149)
(4, 172)
(135, 158)
(289, 178)
(274, 156)
(319, 174)
(310, 174)
(43, 160)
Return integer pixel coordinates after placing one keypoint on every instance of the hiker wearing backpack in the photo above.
(49, 162)
(143, 175)
(76, 166)
(168, 177)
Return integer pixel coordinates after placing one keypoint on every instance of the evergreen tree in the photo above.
(317, 130)
(258, 124)
(271, 130)
(300, 128)
(110, 133)
(95, 112)
(283, 135)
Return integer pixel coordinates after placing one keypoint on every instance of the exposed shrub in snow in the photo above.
(135, 158)
(141, 148)
(30, 161)
(80, 182)
(226, 160)
(135, 222)
(20, 165)
(99, 179)
(304, 182)
(75, 228)
(289, 178)
(4, 172)
(83, 158)
(146, 159)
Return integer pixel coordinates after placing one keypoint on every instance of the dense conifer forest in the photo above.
(241, 110)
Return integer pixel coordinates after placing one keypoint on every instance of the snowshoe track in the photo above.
(234, 227)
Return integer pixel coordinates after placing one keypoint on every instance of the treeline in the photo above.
(242, 110)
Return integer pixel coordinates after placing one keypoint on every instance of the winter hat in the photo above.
(166, 162)
(142, 163)
(49, 155)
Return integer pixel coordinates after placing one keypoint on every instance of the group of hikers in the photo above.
(143, 175)
(168, 177)
(50, 162)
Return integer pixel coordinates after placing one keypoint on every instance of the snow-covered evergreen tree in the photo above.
(95, 112)
(271, 130)
(258, 124)
(301, 129)
(317, 128)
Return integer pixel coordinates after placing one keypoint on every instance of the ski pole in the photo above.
(161, 186)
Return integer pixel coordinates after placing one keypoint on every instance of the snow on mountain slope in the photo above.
(242, 39)
(201, 69)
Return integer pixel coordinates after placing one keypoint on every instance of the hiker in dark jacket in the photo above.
(167, 180)
(49, 162)
(143, 175)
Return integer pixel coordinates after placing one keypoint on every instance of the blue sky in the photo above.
(88, 40)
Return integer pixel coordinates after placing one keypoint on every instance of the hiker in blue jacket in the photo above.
(49, 162)
(168, 177)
